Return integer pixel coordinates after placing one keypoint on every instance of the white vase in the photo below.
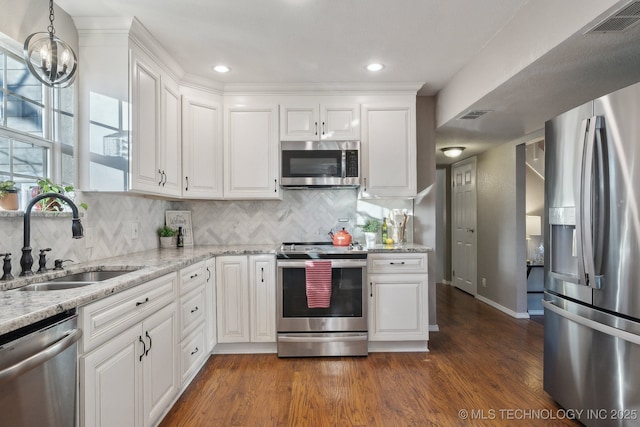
(166, 242)
(370, 238)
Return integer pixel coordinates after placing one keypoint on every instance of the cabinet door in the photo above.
(110, 382)
(202, 161)
(262, 282)
(251, 164)
(389, 151)
(340, 122)
(210, 295)
(232, 292)
(398, 309)
(145, 112)
(299, 122)
(160, 367)
(170, 147)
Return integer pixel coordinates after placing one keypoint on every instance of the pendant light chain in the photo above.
(50, 28)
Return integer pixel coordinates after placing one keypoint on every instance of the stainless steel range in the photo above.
(321, 300)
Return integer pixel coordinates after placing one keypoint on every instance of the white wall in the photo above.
(425, 205)
(501, 245)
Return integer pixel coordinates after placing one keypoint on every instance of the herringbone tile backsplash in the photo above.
(302, 215)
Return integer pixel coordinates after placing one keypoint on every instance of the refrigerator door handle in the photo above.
(580, 219)
(592, 324)
(586, 243)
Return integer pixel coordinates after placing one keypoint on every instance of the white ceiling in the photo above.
(331, 41)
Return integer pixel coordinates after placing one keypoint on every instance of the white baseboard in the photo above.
(434, 328)
(536, 312)
(503, 308)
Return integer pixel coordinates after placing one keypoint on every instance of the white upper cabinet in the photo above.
(202, 160)
(251, 166)
(389, 151)
(314, 121)
(155, 134)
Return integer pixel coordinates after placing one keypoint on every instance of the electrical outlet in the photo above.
(484, 282)
(88, 237)
(134, 230)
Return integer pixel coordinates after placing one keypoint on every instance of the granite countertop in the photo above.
(404, 248)
(22, 308)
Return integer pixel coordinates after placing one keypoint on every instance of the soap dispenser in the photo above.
(6, 267)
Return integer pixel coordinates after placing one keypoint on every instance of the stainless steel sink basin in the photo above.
(91, 276)
(74, 280)
(54, 286)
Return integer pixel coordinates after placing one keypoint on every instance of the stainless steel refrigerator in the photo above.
(592, 260)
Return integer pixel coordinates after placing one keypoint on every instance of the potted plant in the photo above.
(45, 185)
(371, 227)
(166, 234)
(8, 195)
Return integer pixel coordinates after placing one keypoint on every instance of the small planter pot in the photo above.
(370, 238)
(167, 242)
(9, 202)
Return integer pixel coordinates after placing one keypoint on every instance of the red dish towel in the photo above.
(318, 283)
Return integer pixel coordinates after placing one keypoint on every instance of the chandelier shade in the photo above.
(49, 58)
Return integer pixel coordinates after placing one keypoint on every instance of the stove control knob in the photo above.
(293, 247)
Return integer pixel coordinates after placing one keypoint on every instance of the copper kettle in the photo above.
(341, 238)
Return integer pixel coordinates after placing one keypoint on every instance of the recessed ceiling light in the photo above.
(375, 67)
(221, 69)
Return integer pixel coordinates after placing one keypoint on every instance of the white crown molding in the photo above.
(337, 88)
(102, 24)
(201, 83)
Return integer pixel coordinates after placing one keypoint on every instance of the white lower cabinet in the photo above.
(193, 313)
(131, 379)
(398, 292)
(245, 291)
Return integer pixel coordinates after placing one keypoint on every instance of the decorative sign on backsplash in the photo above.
(176, 219)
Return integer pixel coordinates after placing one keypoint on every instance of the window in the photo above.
(36, 126)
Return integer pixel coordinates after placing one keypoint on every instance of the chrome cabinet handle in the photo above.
(160, 173)
(165, 178)
(194, 309)
(194, 351)
(208, 274)
(323, 128)
(315, 127)
(146, 300)
(397, 263)
(262, 274)
(275, 185)
(193, 276)
(371, 289)
(144, 347)
(187, 187)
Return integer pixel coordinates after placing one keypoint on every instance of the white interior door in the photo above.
(463, 215)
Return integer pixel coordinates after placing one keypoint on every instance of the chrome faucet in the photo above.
(26, 262)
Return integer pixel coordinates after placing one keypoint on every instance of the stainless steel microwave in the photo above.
(306, 164)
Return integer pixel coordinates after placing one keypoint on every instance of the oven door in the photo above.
(347, 310)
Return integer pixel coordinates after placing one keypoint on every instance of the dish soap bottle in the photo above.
(384, 230)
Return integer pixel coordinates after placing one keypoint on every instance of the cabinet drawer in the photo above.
(192, 351)
(191, 277)
(104, 319)
(397, 263)
(192, 310)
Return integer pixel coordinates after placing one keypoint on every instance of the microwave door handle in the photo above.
(343, 161)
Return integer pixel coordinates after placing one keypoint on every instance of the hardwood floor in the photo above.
(484, 368)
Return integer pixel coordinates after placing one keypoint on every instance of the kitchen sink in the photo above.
(74, 280)
(91, 276)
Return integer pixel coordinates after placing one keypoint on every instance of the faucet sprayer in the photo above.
(26, 262)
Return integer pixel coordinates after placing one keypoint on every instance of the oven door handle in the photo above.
(335, 263)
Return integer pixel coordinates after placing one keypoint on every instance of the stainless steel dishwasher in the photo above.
(38, 373)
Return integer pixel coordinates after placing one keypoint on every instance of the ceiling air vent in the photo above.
(620, 21)
(472, 115)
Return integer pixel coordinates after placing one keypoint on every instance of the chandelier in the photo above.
(49, 59)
